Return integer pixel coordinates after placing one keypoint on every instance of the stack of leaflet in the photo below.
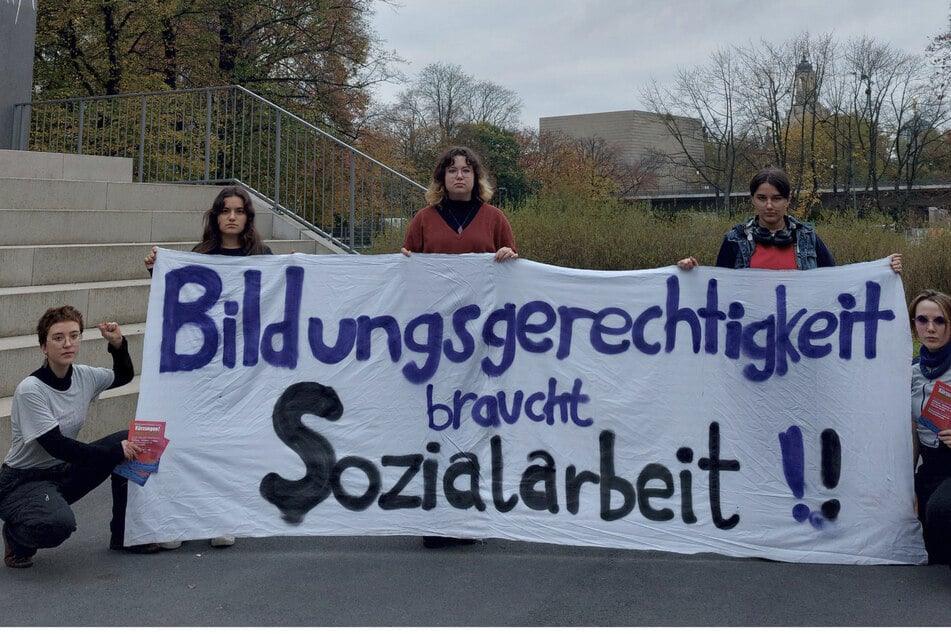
(149, 436)
(936, 414)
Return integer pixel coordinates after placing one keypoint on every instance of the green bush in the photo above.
(619, 236)
(575, 232)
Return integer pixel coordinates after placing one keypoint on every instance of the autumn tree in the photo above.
(317, 59)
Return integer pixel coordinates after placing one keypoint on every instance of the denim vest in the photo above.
(804, 244)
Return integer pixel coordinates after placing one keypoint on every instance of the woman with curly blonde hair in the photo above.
(459, 218)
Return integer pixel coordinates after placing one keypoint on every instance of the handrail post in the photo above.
(353, 199)
(207, 135)
(142, 120)
(79, 136)
(17, 116)
(277, 164)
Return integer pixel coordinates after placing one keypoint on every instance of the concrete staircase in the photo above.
(74, 230)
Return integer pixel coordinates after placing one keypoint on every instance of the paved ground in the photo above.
(393, 581)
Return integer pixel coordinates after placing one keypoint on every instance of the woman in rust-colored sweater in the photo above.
(459, 218)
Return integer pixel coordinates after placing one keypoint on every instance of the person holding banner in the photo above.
(459, 218)
(930, 313)
(772, 239)
(46, 469)
(228, 228)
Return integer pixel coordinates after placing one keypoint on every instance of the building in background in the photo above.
(643, 140)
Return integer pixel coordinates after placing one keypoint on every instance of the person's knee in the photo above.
(938, 515)
(938, 507)
(47, 528)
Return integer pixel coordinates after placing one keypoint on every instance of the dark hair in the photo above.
(251, 241)
(775, 177)
(482, 189)
(943, 300)
(53, 316)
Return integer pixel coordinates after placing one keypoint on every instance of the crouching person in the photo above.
(47, 469)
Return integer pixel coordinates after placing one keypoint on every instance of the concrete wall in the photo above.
(638, 134)
(17, 37)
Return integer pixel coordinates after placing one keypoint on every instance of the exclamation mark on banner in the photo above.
(790, 443)
(831, 469)
(793, 454)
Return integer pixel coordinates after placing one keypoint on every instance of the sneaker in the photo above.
(11, 559)
(222, 542)
(172, 545)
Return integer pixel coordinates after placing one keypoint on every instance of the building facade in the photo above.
(643, 138)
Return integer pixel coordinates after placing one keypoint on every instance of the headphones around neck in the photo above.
(761, 235)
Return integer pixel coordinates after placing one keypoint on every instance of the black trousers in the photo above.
(35, 503)
(934, 511)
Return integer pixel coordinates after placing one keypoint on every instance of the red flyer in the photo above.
(149, 436)
(937, 411)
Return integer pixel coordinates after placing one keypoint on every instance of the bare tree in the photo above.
(878, 71)
(441, 100)
(918, 110)
(491, 103)
(441, 94)
(939, 54)
(708, 95)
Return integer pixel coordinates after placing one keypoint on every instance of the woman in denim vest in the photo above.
(772, 239)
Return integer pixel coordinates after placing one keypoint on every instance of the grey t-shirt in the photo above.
(38, 408)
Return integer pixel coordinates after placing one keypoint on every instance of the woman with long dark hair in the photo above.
(228, 227)
(228, 230)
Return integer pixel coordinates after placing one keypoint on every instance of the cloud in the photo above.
(566, 57)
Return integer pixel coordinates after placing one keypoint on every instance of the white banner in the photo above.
(748, 413)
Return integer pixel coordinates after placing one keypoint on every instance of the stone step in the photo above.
(39, 265)
(124, 301)
(62, 226)
(39, 193)
(17, 164)
(111, 412)
(20, 356)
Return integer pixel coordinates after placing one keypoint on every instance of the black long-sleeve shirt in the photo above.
(75, 451)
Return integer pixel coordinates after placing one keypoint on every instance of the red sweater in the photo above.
(488, 232)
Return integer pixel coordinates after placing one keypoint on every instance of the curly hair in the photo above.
(437, 186)
(251, 241)
(53, 316)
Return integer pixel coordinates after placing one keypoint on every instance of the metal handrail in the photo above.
(230, 134)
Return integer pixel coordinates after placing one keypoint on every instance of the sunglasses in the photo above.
(937, 321)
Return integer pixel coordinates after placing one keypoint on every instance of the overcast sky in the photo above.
(578, 56)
